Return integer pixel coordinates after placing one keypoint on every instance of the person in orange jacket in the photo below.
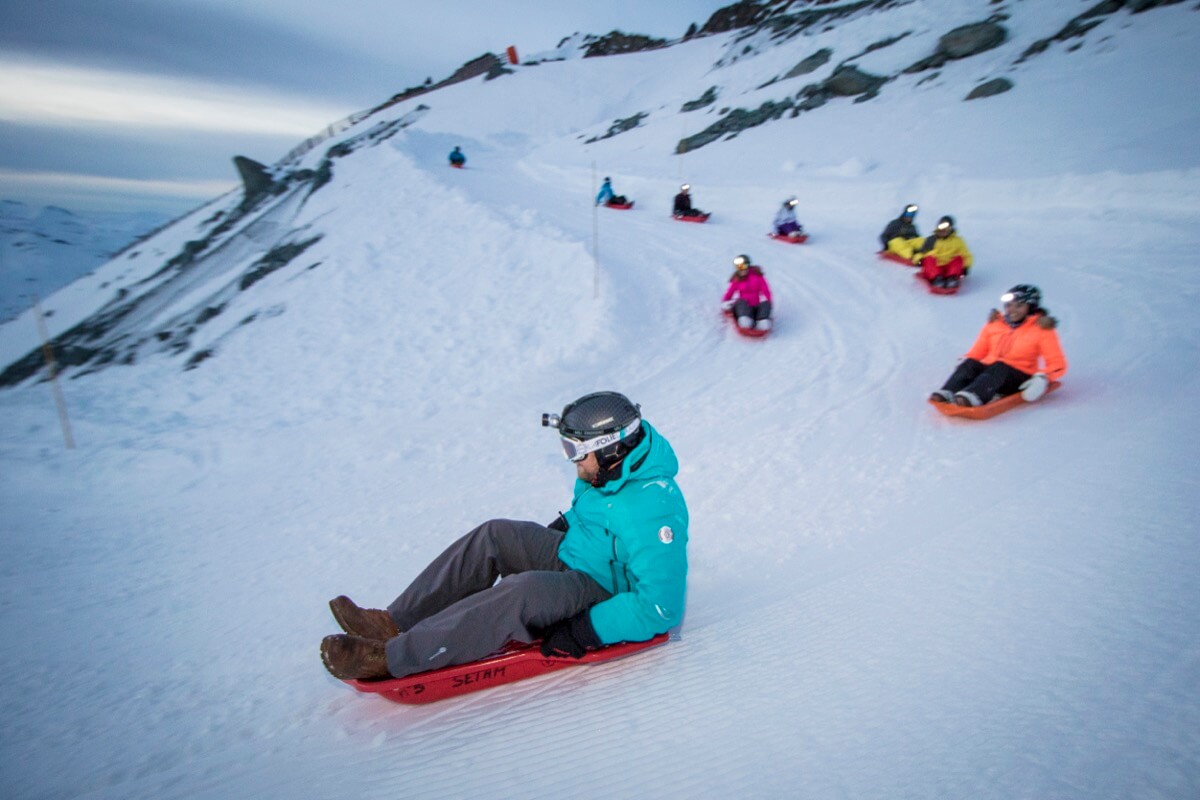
(1017, 350)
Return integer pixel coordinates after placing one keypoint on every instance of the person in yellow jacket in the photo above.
(943, 258)
(1017, 350)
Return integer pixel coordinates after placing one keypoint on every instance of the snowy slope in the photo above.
(882, 602)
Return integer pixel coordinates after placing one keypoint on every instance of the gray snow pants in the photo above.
(456, 612)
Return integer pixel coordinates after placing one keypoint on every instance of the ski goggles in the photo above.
(577, 450)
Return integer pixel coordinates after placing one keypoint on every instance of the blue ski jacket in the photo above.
(630, 536)
(606, 191)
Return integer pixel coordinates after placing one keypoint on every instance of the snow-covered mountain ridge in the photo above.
(44, 249)
(759, 51)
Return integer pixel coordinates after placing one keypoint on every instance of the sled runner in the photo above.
(988, 410)
(939, 289)
(783, 237)
(621, 206)
(695, 218)
(888, 255)
(753, 333)
(517, 661)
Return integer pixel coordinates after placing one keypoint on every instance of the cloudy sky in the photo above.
(141, 104)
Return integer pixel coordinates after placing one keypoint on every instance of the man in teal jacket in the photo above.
(612, 568)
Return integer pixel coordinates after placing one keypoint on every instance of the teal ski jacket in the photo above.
(630, 536)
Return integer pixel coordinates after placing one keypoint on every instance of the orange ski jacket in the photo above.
(1024, 347)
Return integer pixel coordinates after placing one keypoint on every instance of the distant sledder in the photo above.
(944, 258)
(900, 238)
(457, 159)
(610, 199)
(1016, 359)
(683, 209)
(748, 299)
(786, 227)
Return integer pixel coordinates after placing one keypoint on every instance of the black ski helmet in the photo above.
(742, 262)
(607, 423)
(946, 222)
(1023, 293)
(910, 211)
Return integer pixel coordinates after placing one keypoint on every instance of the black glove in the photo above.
(559, 524)
(572, 637)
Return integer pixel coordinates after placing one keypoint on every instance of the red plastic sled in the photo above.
(939, 289)
(516, 662)
(621, 206)
(888, 255)
(783, 237)
(458, 166)
(991, 409)
(699, 218)
(753, 333)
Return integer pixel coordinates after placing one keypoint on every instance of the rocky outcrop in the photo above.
(850, 81)
(810, 64)
(964, 42)
(620, 126)
(733, 123)
(257, 182)
(707, 99)
(990, 88)
(617, 43)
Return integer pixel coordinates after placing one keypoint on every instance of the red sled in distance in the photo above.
(515, 662)
(458, 166)
(888, 255)
(784, 237)
(621, 206)
(752, 333)
(940, 289)
(989, 410)
(694, 218)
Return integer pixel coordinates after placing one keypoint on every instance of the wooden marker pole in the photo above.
(52, 370)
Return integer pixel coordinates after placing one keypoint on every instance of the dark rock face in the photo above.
(972, 39)
(736, 121)
(620, 126)
(963, 42)
(810, 64)
(617, 43)
(851, 81)
(256, 181)
(990, 88)
(738, 15)
(706, 99)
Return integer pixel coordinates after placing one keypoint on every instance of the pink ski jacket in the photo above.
(751, 287)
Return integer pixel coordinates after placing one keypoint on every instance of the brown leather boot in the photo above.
(354, 658)
(369, 623)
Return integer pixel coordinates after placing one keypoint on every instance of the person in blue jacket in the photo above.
(608, 196)
(612, 568)
(457, 158)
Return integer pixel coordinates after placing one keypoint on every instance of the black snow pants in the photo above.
(985, 382)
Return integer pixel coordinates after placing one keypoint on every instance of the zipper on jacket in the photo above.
(612, 562)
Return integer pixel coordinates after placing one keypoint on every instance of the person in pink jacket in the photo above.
(748, 297)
